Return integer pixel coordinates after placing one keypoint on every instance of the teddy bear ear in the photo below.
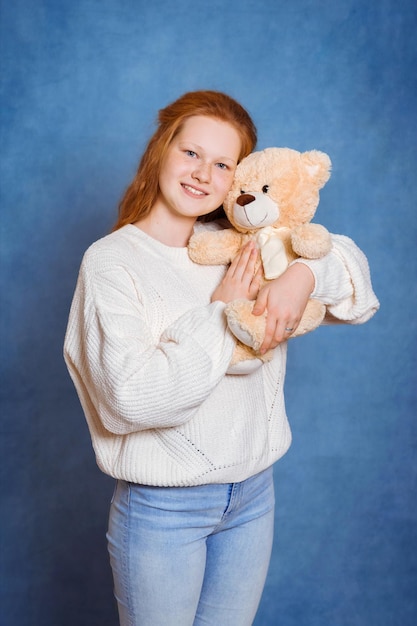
(318, 166)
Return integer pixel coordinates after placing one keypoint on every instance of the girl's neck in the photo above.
(175, 232)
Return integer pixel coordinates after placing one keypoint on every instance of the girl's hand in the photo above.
(284, 299)
(241, 280)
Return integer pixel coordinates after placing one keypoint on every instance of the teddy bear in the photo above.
(274, 195)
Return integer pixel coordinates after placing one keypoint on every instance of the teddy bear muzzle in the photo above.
(255, 210)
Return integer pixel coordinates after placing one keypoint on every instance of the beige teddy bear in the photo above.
(274, 196)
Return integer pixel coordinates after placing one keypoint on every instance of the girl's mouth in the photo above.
(193, 190)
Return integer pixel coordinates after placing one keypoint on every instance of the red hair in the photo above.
(142, 193)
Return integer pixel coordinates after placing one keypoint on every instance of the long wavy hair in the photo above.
(142, 192)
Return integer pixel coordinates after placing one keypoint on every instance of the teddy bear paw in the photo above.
(245, 361)
(241, 368)
(248, 328)
(311, 241)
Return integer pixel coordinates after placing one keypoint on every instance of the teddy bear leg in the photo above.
(248, 328)
(244, 360)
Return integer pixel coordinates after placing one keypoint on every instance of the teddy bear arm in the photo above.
(214, 248)
(311, 241)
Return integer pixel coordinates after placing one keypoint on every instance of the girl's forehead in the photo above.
(215, 136)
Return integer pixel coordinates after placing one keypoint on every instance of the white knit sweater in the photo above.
(148, 355)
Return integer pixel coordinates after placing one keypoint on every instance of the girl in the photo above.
(190, 446)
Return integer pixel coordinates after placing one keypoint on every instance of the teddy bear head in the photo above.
(276, 187)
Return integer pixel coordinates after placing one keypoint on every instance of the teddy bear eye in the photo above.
(242, 191)
(265, 188)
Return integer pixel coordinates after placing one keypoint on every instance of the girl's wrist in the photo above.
(303, 273)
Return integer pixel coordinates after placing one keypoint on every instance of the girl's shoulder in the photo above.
(117, 246)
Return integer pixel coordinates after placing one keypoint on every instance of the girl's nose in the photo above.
(202, 172)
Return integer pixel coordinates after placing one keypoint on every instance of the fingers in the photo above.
(243, 265)
(282, 318)
(261, 301)
(241, 279)
(256, 283)
(277, 331)
(284, 300)
(243, 270)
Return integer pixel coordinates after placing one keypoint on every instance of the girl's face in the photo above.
(198, 168)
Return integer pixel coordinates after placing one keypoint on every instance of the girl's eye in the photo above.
(265, 188)
(190, 153)
(222, 166)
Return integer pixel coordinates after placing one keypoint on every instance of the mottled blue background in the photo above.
(81, 83)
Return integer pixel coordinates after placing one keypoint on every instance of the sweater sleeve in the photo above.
(133, 381)
(343, 283)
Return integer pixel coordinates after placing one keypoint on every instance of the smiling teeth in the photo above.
(194, 191)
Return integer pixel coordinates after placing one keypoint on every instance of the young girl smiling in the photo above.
(190, 446)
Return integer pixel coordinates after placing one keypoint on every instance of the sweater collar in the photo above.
(178, 255)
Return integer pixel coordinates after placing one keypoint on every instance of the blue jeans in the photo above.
(184, 556)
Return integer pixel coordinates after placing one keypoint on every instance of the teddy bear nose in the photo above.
(244, 199)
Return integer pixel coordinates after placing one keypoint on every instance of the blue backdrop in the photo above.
(81, 83)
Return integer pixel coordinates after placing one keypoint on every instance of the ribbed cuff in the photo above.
(332, 281)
